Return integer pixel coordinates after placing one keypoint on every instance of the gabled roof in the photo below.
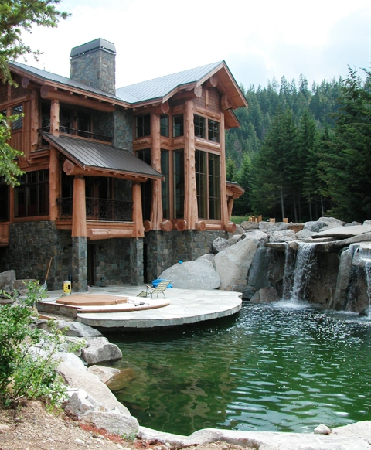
(161, 86)
(164, 87)
(88, 154)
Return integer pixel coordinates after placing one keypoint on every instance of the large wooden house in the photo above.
(119, 184)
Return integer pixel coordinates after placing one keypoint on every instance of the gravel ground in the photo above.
(33, 428)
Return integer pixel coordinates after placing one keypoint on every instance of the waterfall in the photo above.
(288, 272)
(303, 267)
(365, 256)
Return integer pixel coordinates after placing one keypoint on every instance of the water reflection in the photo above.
(269, 368)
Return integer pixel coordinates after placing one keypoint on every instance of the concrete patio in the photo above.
(180, 307)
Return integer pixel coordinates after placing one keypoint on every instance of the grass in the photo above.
(239, 219)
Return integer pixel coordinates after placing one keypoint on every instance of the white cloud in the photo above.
(258, 40)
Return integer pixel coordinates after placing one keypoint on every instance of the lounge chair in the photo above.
(159, 289)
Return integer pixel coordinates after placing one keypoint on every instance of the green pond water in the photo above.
(267, 368)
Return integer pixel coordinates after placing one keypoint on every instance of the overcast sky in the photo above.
(258, 39)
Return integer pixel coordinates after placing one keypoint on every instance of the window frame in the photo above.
(199, 126)
(143, 125)
(33, 190)
(208, 190)
(213, 130)
(178, 128)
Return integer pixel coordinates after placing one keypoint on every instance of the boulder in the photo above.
(246, 225)
(343, 232)
(198, 274)
(305, 233)
(100, 350)
(314, 226)
(219, 244)
(80, 378)
(265, 295)
(77, 329)
(331, 222)
(209, 258)
(322, 429)
(282, 236)
(7, 279)
(233, 263)
(115, 379)
(259, 237)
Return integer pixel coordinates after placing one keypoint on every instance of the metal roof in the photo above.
(101, 156)
(61, 80)
(160, 87)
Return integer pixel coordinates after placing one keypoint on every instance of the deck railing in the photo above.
(98, 209)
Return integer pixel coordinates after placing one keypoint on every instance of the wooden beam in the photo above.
(190, 200)
(35, 119)
(223, 188)
(54, 117)
(53, 183)
(137, 210)
(79, 228)
(49, 93)
(156, 200)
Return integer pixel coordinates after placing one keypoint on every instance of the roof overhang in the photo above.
(95, 159)
(234, 190)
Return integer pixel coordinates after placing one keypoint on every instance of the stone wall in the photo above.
(96, 69)
(103, 123)
(164, 249)
(32, 244)
(123, 130)
(119, 261)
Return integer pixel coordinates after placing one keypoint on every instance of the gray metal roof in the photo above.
(101, 156)
(159, 87)
(59, 79)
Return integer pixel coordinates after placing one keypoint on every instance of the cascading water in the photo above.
(302, 273)
(365, 256)
(288, 272)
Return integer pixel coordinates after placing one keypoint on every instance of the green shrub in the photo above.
(27, 354)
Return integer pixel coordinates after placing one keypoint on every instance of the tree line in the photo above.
(303, 153)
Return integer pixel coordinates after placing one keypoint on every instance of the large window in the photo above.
(178, 183)
(208, 185)
(165, 184)
(145, 155)
(178, 127)
(32, 194)
(200, 126)
(214, 131)
(164, 125)
(143, 125)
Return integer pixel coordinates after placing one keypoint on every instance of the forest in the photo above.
(302, 153)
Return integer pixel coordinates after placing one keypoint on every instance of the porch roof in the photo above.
(88, 154)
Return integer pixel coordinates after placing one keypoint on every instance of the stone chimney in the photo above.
(94, 65)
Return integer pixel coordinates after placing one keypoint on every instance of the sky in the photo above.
(258, 39)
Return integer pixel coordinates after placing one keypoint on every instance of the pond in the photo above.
(270, 367)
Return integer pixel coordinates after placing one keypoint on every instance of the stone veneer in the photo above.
(96, 69)
(117, 261)
(123, 130)
(164, 249)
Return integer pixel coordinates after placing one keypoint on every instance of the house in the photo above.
(119, 184)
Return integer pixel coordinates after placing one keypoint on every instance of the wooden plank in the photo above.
(35, 119)
(53, 184)
(137, 210)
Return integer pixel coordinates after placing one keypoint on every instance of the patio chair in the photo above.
(159, 289)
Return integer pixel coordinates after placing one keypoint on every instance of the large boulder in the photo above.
(331, 222)
(265, 295)
(233, 263)
(246, 225)
(282, 236)
(314, 226)
(77, 329)
(100, 350)
(198, 274)
(7, 280)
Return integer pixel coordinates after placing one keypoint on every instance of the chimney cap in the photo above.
(96, 44)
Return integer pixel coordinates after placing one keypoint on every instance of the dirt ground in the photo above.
(32, 427)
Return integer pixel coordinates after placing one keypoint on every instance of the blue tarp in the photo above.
(158, 280)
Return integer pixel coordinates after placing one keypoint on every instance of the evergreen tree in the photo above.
(348, 166)
(241, 206)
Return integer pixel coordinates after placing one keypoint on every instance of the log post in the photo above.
(53, 183)
(156, 200)
(190, 199)
(79, 228)
(35, 120)
(54, 117)
(137, 210)
(223, 180)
